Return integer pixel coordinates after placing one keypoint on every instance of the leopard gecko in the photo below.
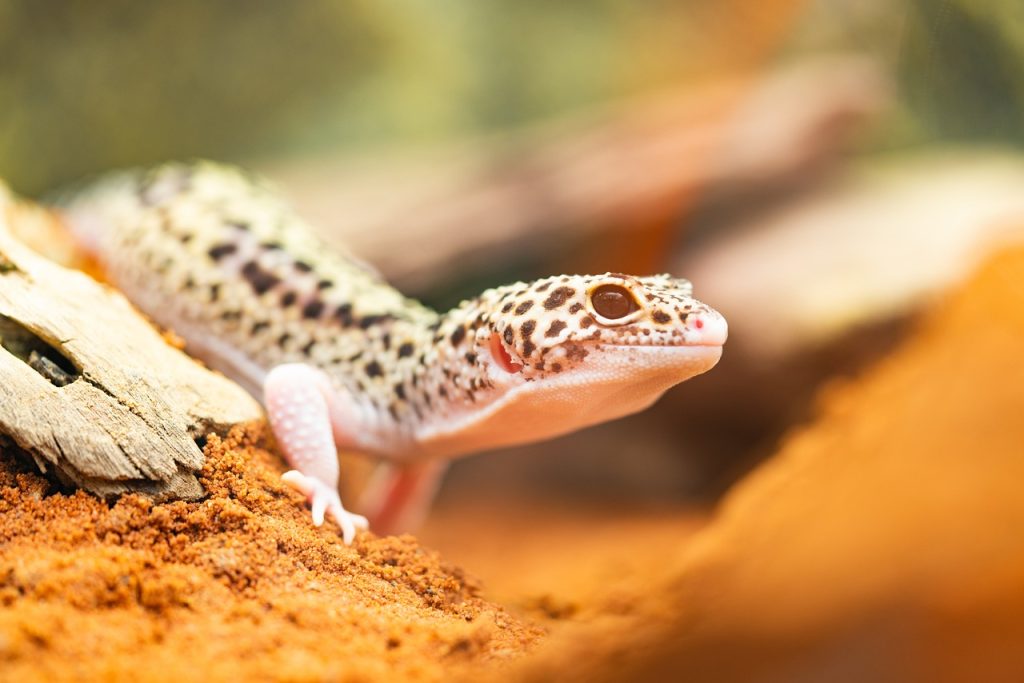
(343, 360)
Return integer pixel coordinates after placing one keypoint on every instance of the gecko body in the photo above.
(341, 359)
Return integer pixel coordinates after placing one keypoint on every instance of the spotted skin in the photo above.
(215, 254)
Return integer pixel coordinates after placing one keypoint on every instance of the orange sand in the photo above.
(883, 542)
(238, 586)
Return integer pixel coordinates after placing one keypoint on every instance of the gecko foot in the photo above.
(324, 499)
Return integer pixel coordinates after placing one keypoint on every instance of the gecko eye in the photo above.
(613, 302)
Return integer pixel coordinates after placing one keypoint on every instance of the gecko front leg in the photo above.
(307, 419)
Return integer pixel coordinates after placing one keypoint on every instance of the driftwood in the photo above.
(630, 164)
(91, 391)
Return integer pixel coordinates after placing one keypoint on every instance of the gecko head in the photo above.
(569, 351)
(599, 323)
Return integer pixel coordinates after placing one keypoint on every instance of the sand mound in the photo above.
(883, 542)
(237, 586)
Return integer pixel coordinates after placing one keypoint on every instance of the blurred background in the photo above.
(824, 171)
(818, 169)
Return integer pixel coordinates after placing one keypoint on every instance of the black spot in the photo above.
(324, 284)
(586, 321)
(386, 341)
(185, 238)
(556, 367)
(543, 288)
(558, 297)
(556, 327)
(471, 358)
(575, 352)
(661, 316)
(259, 326)
(371, 320)
(405, 349)
(261, 280)
(394, 411)
(508, 307)
(526, 331)
(190, 283)
(289, 299)
(221, 250)
(308, 348)
(231, 315)
(524, 307)
(284, 339)
(313, 309)
(576, 307)
(272, 246)
(237, 225)
(400, 391)
(373, 369)
(458, 335)
(215, 291)
(343, 314)
(355, 356)
(442, 392)
(433, 327)
(303, 267)
(509, 338)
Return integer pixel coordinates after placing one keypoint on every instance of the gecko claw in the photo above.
(324, 499)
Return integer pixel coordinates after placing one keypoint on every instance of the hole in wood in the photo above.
(34, 351)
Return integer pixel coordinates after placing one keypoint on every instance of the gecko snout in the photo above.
(707, 327)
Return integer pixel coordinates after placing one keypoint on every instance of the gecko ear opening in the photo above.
(502, 357)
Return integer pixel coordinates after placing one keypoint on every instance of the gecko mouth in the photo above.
(502, 357)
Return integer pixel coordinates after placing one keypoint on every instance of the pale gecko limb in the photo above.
(300, 404)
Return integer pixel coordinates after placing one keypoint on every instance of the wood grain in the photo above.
(91, 391)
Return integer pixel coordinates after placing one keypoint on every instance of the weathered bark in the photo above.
(92, 391)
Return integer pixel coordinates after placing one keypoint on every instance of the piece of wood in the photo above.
(92, 391)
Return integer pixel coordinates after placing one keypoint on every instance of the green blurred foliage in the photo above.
(961, 68)
(956, 63)
(85, 85)
(89, 85)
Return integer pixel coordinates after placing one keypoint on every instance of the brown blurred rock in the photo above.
(576, 183)
(884, 542)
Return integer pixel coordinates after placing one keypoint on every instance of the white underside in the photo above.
(623, 380)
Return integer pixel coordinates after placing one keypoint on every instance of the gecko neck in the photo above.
(440, 375)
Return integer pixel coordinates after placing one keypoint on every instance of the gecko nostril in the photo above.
(698, 323)
(502, 357)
